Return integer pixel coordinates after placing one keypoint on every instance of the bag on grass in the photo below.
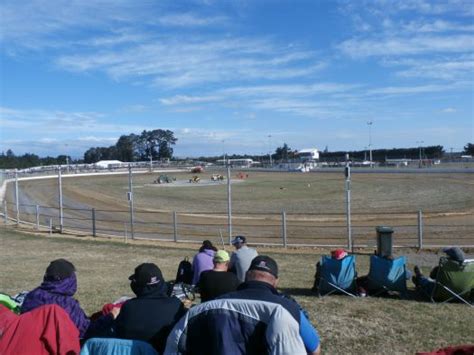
(185, 272)
(181, 290)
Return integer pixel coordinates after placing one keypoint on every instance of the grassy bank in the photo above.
(346, 325)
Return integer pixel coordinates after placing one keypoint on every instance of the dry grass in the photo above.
(346, 325)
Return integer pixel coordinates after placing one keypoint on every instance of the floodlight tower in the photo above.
(419, 147)
(370, 141)
(270, 147)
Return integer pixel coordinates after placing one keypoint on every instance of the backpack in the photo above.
(185, 272)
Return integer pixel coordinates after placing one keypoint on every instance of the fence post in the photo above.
(420, 230)
(50, 226)
(17, 198)
(283, 227)
(229, 202)
(347, 172)
(175, 226)
(5, 211)
(60, 188)
(130, 199)
(94, 231)
(37, 217)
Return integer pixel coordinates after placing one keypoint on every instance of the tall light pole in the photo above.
(270, 149)
(370, 141)
(420, 158)
(67, 159)
(223, 153)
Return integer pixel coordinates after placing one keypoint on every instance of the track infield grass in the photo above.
(346, 325)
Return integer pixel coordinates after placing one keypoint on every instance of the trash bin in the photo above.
(384, 241)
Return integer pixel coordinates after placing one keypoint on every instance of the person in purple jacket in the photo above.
(58, 287)
(203, 260)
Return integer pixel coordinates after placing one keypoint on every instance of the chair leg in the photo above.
(455, 295)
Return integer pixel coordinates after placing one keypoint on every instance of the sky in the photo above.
(236, 76)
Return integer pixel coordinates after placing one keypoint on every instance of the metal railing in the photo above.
(412, 229)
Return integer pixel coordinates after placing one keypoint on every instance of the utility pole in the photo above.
(270, 149)
(370, 141)
(420, 157)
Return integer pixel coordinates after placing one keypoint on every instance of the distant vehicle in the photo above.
(164, 179)
(217, 177)
(197, 169)
(195, 179)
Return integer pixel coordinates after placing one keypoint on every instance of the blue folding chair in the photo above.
(337, 276)
(387, 275)
(113, 346)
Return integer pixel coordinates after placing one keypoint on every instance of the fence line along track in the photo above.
(412, 228)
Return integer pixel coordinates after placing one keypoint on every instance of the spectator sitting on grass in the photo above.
(255, 319)
(58, 287)
(217, 281)
(241, 258)
(151, 315)
(203, 260)
(427, 284)
(260, 284)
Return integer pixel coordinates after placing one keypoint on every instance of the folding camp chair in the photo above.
(113, 346)
(454, 281)
(387, 275)
(337, 276)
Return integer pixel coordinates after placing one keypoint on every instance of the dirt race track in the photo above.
(314, 205)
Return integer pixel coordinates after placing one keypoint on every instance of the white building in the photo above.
(308, 154)
(106, 164)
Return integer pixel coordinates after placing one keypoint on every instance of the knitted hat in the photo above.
(59, 269)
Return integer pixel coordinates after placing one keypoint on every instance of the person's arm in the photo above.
(231, 267)
(309, 335)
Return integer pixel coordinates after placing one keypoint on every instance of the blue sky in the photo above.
(226, 75)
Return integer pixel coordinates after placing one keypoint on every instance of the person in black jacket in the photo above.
(152, 314)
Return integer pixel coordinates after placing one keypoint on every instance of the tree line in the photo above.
(9, 160)
(156, 144)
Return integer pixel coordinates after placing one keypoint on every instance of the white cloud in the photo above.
(39, 122)
(191, 20)
(396, 46)
(449, 110)
(208, 60)
(185, 100)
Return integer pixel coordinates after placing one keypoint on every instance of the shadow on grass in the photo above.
(411, 295)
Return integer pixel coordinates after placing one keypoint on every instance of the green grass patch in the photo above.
(346, 325)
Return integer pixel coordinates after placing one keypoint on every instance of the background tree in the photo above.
(469, 149)
(283, 153)
(126, 148)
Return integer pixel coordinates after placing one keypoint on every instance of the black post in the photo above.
(94, 234)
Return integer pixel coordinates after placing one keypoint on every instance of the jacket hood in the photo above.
(66, 287)
(209, 252)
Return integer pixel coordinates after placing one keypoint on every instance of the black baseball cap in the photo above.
(146, 274)
(59, 269)
(264, 263)
(238, 240)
